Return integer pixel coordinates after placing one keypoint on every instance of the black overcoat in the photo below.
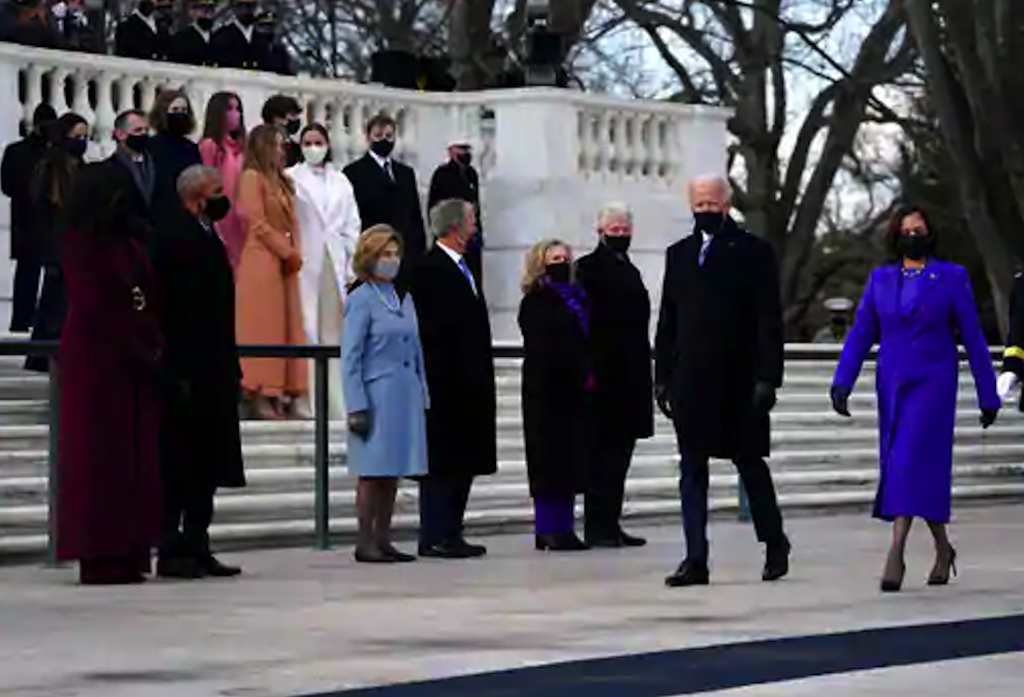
(190, 47)
(134, 38)
(719, 333)
(455, 332)
(620, 345)
(231, 48)
(452, 180)
(395, 203)
(557, 410)
(200, 438)
(17, 174)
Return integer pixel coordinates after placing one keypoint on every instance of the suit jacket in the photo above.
(395, 203)
(455, 332)
(201, 440)
(231, 48)
(137, 187)
(189, 47)
(720, 333)
(620, 314)
(135, 38)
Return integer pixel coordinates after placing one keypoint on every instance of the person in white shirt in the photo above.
(329, 225)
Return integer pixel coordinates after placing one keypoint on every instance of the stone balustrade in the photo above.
(548, 158)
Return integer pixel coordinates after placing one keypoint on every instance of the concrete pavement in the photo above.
(302, 622)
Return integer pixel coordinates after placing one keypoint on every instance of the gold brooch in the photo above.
(138, 299)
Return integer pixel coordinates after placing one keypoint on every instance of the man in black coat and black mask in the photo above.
(191, 45)
(200, 443)
(233, 44)
(718, 363)
(457, 178)
(620, 348)
(145, 34)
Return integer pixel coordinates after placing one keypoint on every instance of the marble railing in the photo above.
(548, 158)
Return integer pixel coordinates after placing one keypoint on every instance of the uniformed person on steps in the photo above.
(457, 178)
(271, 55)
(233, 43)
(838, 321)
(145, 34)
(1013, 356)
(190, 45)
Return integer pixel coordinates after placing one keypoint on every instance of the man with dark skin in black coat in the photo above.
(718, 363)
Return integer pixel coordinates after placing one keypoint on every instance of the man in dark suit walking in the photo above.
(620, 313)
(200, 442)
(718, 363)
(457, 178)
(461, 424)
(386, 191)
(17, 173)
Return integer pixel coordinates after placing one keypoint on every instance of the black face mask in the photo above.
(205, 23)
(76, 146)
(138, 143)
(559, 272)
(246, 14)
(709, 221)
(464, 158)
(217, 208)
(618, 243)
(914, 247)
(383, 148)
(293, 126)
(146, 8)
(179, 124)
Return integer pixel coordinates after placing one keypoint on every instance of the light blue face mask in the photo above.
(386, 268)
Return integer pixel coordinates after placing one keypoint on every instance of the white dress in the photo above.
(329, 226)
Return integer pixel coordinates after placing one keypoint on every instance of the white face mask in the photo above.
(314, 154)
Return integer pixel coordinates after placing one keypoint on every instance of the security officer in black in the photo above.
(233, 44)
(272, 56)
(1013, 357)
(457, 178)
(190, 45)
(145, 34)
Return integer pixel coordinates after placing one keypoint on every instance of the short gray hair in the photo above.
(194, 177)
(446, 215)
(614, 211)
(717, 179)
(121, 122)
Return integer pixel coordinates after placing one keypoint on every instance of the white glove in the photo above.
(1005, 384)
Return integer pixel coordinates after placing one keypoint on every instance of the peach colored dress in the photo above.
(228, 159)
(268, 308)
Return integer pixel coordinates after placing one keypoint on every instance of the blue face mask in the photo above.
(709, 221)
(386, 268)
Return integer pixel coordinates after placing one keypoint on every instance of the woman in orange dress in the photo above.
(268, 308)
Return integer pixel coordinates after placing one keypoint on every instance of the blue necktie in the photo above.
(705, 245)
(464, 268)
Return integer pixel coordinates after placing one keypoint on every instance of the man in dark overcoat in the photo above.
(145, 34)
(17, 173)
(457, 178)
(386, 192)
(620, 347)
(718, 363)
(200, 442)
(132, 166)
(233, 44)
(455, 332)
(191, 45)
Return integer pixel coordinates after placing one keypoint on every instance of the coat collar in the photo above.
(931, 277)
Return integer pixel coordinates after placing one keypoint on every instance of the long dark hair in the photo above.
(318, 128)
(216, 113)
(56, 171)
(894, 230)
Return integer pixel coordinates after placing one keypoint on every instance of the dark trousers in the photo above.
(48, 322)
(188, 512)
(607, 486)
(443, 503)
(26, 294)
(693, 495)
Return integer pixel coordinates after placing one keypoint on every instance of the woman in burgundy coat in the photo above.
(109, 496)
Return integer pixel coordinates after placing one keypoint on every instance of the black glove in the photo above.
(359, 423)
(764, 397)
(988, 417)
(840, 397)
(661, 398)
(173, 389)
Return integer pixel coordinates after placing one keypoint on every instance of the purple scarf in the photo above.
(576, 300)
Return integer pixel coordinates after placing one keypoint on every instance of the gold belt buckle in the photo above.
(138, 299)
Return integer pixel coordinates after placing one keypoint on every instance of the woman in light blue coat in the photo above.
(385, 391)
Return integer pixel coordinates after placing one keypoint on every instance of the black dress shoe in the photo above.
(373, 556)
(689, 574)
(179, 567)
(631, 540)
(396, 554)
(447, 550)
(561, 542)
(776, 564)
(471, 549)
(213, 568)
(605, 541)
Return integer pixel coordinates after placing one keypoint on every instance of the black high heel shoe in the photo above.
(940, 573)
(892, 577)
(561, 542)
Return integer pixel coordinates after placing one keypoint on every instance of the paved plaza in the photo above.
(599, 624)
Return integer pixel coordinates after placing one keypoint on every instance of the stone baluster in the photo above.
(103, 122)
(58, 89)
(147, 94)
(80, 95)
(33, 75)
(621, 143)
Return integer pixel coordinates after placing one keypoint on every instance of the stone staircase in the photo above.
(819, 460)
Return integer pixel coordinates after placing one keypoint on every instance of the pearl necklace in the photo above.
(397, 309)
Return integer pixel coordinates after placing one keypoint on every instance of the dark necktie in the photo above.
(388, 171)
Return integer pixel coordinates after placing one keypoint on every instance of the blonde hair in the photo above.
(534, 266)
(370, 245)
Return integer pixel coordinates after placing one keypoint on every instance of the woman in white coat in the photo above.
(329, 228)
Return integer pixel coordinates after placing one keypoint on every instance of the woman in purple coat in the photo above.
(914, 308)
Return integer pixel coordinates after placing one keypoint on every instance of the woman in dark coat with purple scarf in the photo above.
(558, 385)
